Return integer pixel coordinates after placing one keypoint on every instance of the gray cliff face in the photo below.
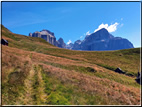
(102, 40)
(61, 43)
(49, 37)
(119, 43)
(45, 34)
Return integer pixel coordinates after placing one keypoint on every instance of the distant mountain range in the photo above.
(98, 41)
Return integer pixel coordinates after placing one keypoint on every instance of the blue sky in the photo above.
(73, 20)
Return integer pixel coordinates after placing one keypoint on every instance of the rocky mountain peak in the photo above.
(46, 35)
(69, 46)
(47, 32)
(99, 35)
(102, 40)
(102, 30)
(61, 40)
(61, 43)
(78, 42)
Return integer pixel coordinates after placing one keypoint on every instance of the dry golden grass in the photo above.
(114, 91)
(110, 90)
(28, 88)
(23, 81)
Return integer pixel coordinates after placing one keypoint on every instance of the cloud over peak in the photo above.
(110, 28)
(69, 42)
(88, 33)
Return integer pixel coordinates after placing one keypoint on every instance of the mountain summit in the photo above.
(102, 40)
(61, 43)
(101, 34)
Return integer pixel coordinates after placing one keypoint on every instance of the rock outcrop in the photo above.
(45, 34)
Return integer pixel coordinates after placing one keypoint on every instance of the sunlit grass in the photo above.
(66, 77)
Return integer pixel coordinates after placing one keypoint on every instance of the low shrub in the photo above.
(90, 69)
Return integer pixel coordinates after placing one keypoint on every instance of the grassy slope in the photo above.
(45, 74)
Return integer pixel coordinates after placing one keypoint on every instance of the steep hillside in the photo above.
(35, 72)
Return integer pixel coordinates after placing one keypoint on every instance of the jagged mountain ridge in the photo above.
(98, 41)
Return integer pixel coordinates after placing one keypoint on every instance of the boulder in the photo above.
(4, 42)
(138, 78)
(118, 70)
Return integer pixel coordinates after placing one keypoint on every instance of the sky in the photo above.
(74, 20)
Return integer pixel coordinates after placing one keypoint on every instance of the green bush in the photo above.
(56, 99)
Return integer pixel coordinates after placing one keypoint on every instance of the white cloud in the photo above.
(111, 28)
(69, 42)
(88, 33)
